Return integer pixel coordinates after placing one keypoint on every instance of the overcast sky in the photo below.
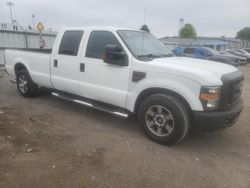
(209, 17)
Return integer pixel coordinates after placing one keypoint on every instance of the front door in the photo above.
(102, 81)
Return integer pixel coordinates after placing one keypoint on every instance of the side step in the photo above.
(90, 104)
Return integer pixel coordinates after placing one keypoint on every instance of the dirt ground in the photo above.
(48, 142)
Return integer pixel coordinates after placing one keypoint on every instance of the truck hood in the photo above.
(199, 70)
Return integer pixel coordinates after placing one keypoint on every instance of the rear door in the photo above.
(101, 81)
(65, 63)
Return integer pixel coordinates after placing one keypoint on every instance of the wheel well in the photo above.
(18, 67)
(146, 93)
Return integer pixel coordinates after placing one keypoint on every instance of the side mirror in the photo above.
(115, 55)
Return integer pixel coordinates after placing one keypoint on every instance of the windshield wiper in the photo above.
(155, 55)
(150, 55)
(167, 55)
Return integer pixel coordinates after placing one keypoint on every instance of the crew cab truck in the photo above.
(124, 71)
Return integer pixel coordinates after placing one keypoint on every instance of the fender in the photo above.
(12, 62)
(20, 61)
(186, 88)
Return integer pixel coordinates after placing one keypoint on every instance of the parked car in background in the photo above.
(178, 51)
(242, 60)
(209, 54)
(238, 53)
(247, 50)
(245, 53)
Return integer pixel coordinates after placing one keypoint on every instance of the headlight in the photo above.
(210, 97)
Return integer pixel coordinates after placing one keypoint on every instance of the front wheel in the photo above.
(164, 119)
(25, 85)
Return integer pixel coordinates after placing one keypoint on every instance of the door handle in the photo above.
(82, 67)
(55, 62)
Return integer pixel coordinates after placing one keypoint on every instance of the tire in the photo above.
(25, 85)
(169, 114)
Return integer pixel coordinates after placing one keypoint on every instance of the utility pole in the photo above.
(10, 4)
(181, 23)
(33, 20)
(144, 16)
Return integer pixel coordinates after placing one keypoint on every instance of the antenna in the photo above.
(144, 23)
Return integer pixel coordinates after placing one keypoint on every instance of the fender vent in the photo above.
(138, 76)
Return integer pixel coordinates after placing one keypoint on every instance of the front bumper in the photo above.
(211, 121)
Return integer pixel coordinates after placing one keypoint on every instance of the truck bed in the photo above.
(37, 61)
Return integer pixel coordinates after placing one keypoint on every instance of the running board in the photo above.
(92, 105)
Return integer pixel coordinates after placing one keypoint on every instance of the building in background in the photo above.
(218, 43)
(16, 36)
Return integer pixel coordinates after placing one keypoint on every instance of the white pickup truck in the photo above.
(124, 71)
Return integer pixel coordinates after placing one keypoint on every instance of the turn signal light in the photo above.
(210, 96)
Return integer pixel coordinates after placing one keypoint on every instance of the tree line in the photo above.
(188, 31)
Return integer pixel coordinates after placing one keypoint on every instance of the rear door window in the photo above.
(70, 42)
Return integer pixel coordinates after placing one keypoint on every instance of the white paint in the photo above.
(112, 84)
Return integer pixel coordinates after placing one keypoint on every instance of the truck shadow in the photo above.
(130, 125)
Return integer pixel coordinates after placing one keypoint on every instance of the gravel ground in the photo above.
(48, 142)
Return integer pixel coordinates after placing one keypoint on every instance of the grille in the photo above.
(231, 89)
(235, 90)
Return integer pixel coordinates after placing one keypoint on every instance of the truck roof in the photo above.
(98, 28)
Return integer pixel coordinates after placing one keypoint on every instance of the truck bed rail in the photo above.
(46, 50)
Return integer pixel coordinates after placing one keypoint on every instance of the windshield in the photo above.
(144, 45)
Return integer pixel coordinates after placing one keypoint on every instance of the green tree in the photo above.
(145, 28)
(244, 34)
(188, 31)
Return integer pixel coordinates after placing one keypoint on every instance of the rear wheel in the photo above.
(164, 118)
(25, 85)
